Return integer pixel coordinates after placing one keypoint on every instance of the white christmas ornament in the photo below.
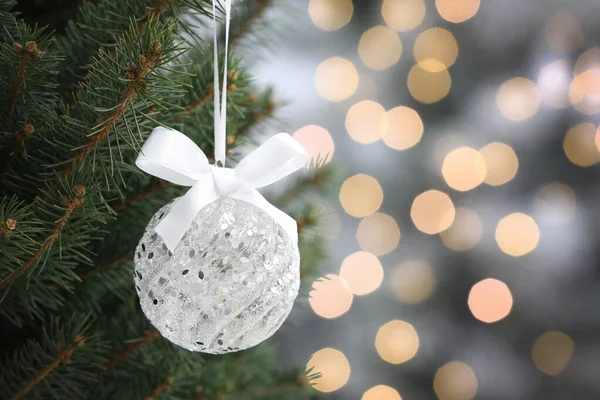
(218, 269)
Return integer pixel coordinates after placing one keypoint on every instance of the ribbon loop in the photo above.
(170, 155)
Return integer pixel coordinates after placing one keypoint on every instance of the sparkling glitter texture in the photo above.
(229, 284)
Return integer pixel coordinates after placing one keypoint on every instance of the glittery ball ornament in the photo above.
(227, 286)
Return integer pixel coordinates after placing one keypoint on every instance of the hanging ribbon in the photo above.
(172, 156)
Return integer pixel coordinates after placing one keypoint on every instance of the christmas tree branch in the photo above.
(164, 387)
(113, 264)
(27, 54)
(63, 357)
(142, 195)
(149, 336)
(70, 206)
(252, 15)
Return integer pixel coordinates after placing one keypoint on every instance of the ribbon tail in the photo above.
(250, 195)
(177, 222)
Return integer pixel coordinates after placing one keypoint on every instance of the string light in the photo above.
(465, 232)
(361, 195)
(336, 79)
(464, 169)
(397, 342)
(455, 381)
(432, 212)
(330, 15)
(490, 300)
(553, 84)
(428, 87)
(363, 272)
(330, 296)
(378, 233)
(404, 128)
(517, 234)
(317, 142)
(403, 15)
(381, 392)
(501, 163)
(518, 99)
(413, 281)
(580, 145)
(457, 11)
(552, 352)
(379, 48)
(435, 49)
(366, 121)
(334, 368)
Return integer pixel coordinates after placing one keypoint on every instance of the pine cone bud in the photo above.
(129, 75)
(31, 46)
(19, 47)
(28, 129)
(79, 190)
(232, 88)
(233, 75)
(10, 224)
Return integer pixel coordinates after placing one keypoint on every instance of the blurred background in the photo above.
(463, 260)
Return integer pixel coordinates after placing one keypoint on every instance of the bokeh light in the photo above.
(587, 72)
(366, 121)
(552, 352)
(490, 300)
(465, 232)
(582, 102)
(333, 366)
(404, 128)
(381, 392)
(428, 87)
(455, 381)
(518, 99)
(435, 49)
(397, 342)
(555, 203)
(361, 195)
(330, 296)
(363, 272)
(403, 15)
(517, 234)
(501, 163)
(413, 281)
(317, 142)
(553, 84)
(580, 145)
(457, 10)
(563, 32)
(378, 233)
(336, 79)
(379, 47)
(464, 169)
(330, 15)
(432, 212)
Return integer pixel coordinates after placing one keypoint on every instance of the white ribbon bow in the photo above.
(170, 155)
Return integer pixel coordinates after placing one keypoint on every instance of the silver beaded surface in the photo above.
(229, 284)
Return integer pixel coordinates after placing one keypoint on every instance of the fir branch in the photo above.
(63, 357)
(142, 195)
(264, 392)
(101, 268)
(70, 206)
(164, 387)
(155, 9)
(198, 103)
(149, 336)
(252, 15)
(27, 54)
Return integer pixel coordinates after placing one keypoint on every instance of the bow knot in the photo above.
(172, 156)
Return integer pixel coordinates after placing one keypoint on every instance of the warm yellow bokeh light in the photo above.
(501, 163)
(336, 79)
(379, 47)
(518, 99)
(316, 141)
(457, 10)
(333, 366)
(413, 281)
(580, 145)
(465, 232)
(404, 128)
(361, 195)
(490, 300)
(330, 15)
(552, 352)
(553, 84)
(555, 203)
(464, 169)
(330, 296)
(397, 342)
(366, 121)
(455, 381)
(428, 87)
(585, 104)
(403, 15)
(597, 139)
(381, 392)
(587, 72)
(432, 212)
(563, 32)
(378, 233)
(363, 272)
(517, 234)
(435, 49)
